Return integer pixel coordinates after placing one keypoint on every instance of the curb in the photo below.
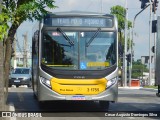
(12, 109)
(140, 88)
(130, 87)
(149, 89)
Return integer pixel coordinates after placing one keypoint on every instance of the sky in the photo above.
(141, 37)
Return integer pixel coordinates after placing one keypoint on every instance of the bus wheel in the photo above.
(104, 104)
(42, 104)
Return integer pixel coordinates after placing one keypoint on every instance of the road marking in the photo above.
(21, 98)
(12, 108)
(131, 117)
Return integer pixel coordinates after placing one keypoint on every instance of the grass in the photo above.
(154, 87)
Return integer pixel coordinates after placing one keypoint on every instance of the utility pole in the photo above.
(130, 63)
(155, 40)
(150, 31)
(101, 6)
(25, 44)
(155, 5)
(125, 46)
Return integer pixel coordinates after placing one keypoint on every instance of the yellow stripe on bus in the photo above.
(94, 64)
(78, 86)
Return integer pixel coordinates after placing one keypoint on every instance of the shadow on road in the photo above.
(24, 101)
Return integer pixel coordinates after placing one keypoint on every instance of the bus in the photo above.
(75, 58)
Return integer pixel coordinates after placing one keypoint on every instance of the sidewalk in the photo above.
(141, 88)
(9, 108)
(130, 87)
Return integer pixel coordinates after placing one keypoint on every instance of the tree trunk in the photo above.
(2, 94)
(2, 103)
(8, 52)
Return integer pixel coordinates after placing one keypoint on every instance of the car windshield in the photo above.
(20, 71)
(89, 50)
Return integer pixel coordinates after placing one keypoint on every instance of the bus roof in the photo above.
(77, 13)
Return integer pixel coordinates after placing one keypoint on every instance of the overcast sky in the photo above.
(141, 39)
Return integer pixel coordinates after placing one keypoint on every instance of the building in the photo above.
(19, 60)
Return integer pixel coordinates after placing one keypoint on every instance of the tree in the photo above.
(21, 10)
(120, 12)
(138, 69)
(4, 18)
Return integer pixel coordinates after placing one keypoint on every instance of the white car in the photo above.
(20, 76)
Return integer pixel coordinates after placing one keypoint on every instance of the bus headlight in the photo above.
(46, 82)
(111, 82)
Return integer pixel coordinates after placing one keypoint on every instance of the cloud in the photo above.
(87, 5)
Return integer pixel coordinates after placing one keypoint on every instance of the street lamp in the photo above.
(125, 46)
(133, 25)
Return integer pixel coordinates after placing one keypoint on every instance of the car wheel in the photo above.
(30, 84)
(9, 85)
(17, 86)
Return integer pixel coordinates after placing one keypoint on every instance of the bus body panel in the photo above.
(47, 94)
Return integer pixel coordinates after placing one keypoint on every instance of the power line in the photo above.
(89, 5)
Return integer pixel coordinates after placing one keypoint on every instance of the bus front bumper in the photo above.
(47, 94)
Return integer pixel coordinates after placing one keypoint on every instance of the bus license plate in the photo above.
(16, 80)
(78, 98)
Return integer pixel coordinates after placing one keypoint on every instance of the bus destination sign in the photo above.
(80, 22)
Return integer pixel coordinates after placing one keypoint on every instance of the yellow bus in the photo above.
(75, 57)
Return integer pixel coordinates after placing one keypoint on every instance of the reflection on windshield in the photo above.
(57, 51)
(21, 71)
(101, 52)
(90, 51)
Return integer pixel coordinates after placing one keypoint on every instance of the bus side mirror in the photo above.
(120, 49)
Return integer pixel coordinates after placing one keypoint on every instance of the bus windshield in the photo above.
(89, 50)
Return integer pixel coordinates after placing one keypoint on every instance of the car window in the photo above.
(21, 71)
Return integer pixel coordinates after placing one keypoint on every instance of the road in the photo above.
(129, 100)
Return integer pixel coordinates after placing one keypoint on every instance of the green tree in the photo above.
(120, 12)
(4, 19)
(21, 10)
(138, 69)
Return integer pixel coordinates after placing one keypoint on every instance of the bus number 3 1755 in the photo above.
(92, 89)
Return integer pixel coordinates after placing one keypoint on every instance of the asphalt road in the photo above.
(129, 100)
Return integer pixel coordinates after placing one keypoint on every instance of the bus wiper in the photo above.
(65, 36)
(92, 38)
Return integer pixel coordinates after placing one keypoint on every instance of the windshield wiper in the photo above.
(92, 38)
(65, 36)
